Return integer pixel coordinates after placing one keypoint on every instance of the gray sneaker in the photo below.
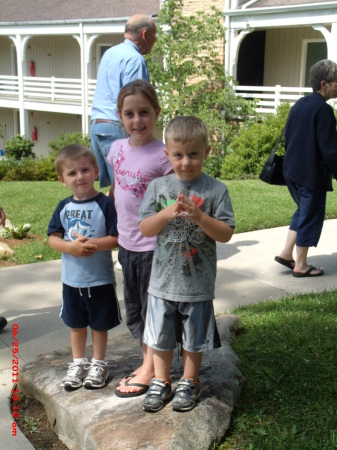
(187, 395)
(75, 375)
(97, 375)
(158, 393)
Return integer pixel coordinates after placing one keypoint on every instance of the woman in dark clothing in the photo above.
(309, 164)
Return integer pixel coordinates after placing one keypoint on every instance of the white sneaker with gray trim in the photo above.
(75, 375)
(97, 375)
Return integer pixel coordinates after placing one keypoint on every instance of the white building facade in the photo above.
(50, 51)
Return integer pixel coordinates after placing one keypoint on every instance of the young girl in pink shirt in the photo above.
(136, 161)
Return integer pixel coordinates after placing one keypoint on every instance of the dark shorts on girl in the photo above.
(136, 268)
(96, 307)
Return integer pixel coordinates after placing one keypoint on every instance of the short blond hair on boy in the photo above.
(186, 128)
(73, 151)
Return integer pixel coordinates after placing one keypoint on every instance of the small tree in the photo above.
(187, 70)
(66, 139)
(19, 147)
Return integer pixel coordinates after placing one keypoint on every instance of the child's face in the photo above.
(79, 175)
(187, 158)
(138, 118)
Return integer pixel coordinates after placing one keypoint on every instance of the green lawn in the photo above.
(256, 206)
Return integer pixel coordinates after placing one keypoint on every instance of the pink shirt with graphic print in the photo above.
(134, 168)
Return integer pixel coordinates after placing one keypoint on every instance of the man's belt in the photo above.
(104, 121)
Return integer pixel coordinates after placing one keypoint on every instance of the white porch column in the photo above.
(20, 46)
(80, 40)
(88, 46)
(331, 39)
(235, 49)
(85, 46)
(332, 47)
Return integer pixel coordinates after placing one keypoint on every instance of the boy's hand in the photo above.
(173, 210)
(187, 208)
(82, 247)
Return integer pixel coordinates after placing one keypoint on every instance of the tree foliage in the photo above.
(186, 67)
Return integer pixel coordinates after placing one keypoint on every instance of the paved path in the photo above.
(30, 297)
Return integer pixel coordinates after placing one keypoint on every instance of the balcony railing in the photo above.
(65, 91)
(269, 98)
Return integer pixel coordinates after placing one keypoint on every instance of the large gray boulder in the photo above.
(97, 419)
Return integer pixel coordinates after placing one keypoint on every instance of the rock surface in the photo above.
(97, 419)
(5, 250)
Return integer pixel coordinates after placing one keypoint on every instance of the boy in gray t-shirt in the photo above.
(188, 211)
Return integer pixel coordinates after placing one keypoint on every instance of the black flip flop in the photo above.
(144, 389)
(127, 378)
(290, 263)
(308, 273)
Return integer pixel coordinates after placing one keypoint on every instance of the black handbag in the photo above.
(272, 172)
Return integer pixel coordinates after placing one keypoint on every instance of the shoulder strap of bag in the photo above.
(281, 135)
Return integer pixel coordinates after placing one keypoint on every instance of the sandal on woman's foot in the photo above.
(187, 395)
(290, 263)
(308, 273)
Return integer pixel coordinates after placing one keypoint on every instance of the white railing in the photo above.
(69, 91)
(53, 90)
(269, 98)
(9, 87)
(46, 90)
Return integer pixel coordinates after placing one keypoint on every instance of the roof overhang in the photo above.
(282, 16)
(90, 26)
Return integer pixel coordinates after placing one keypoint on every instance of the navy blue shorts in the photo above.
(136, 273)
(308, 219)
(96, 307)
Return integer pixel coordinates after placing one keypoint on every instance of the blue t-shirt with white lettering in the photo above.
(92, 218)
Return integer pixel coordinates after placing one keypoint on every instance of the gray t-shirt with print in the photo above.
(184, 260)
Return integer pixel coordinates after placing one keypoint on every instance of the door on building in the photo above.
(315, 51)
(250, 66)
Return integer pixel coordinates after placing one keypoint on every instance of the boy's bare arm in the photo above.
(112, 189)
(104, 243)
(214, 228)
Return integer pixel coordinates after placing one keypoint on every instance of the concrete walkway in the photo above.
(30, 298)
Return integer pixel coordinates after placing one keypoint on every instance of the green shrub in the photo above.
(19, 147)
(29, 169)
(213, 164)
(6, 165)
(249, 149)
(66, 139)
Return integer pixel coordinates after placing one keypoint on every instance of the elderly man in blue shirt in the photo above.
(119, 65)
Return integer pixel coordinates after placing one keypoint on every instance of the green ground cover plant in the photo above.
(289, 359)
(256, 206)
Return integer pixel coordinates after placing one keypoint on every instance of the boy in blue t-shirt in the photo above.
(84, 228)
(188, 211)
